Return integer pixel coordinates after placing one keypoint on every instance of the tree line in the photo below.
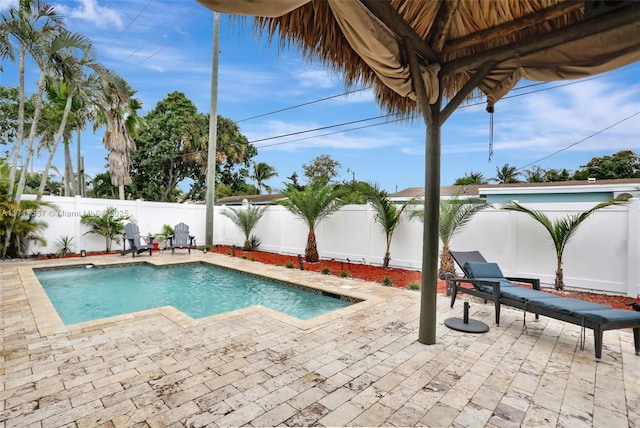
(623, 164)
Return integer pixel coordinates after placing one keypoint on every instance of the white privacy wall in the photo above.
(603, 256)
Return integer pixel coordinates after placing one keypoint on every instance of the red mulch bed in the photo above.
(399, 277)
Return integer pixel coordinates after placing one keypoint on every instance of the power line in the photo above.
(130, 23)
(318, 129)
(161, 33)
(581, 141)
(167, 44)
(329, 133)
(304, 104)
(377, 117)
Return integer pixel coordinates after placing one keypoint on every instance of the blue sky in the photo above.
(160, 46)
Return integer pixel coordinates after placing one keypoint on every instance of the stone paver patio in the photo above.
(360, 366)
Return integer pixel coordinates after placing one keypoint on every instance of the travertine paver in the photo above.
(360, 366)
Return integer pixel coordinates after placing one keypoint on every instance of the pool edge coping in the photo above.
(48, 322)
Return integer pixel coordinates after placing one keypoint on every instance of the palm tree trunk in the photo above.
(311, 252)
(447, 264)
(386, 259)
(559, 277)
(52, 151)
(69, 182)
(247, 245)
(80, 169)
(32, 138)
(121, 192)
(15, 154)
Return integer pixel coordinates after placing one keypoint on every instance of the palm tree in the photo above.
(109, 224)
(471, 178)
(17, 219)
(506, 174)
(118, 110)
(387, 215)
(49, 55)
(31, 24)
(561, 230)
(262, 172)
(535, 175)
(246, 220)
(69, 95)
(312, 204)
(455, 214)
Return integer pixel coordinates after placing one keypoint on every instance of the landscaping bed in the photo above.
(399, 277)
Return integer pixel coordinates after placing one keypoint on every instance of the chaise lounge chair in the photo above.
(485, 280)
(132, 236)
(181, 238)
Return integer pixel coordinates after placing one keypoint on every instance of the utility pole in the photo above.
(213, 133)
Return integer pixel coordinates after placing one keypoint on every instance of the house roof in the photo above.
(474, 189)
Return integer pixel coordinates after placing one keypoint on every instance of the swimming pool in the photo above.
(199, 290)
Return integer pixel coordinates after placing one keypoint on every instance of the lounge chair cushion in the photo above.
(504, 283)
(609, 315)
(483, 270)
(564, 304)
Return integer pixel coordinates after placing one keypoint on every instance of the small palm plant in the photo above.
(109, 224)
(64, 246)
(455, 214)
(561, 230)
(312, 204)
(388, 215)
(246, 220)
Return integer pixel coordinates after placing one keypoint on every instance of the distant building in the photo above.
(557, 191)
(250, 199)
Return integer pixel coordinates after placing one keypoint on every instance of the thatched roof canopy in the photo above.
(419, 55)
(536, 39)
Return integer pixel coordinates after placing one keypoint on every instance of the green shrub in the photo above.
(290, 264)
(253, 259)
(326, 270)
(387, 281)
(64, 246)
(414, 285)
(344, 273)
(228, 252)
(255, 242)
(244, 256)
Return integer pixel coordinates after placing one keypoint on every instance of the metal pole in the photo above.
(213, 133)
(80, 169)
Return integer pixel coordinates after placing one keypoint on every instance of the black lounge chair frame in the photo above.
(471, 286)
(132, 236)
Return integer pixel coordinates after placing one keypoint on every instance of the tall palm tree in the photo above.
(455, 214)
(246, 220)
(68, 93)
(118, 110)
(312, 204)
(563, 229)
(31, 24)
(261, 173)
(388, 215)
(51, 59)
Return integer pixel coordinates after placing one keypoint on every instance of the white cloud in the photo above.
(317, 78)
(574, 117)
(92, 12)
(6, 4)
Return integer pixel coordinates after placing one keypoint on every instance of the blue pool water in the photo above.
(198, 290)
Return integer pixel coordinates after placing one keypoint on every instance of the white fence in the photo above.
(603, 256)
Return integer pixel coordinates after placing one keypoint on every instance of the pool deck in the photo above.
(359, 366)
